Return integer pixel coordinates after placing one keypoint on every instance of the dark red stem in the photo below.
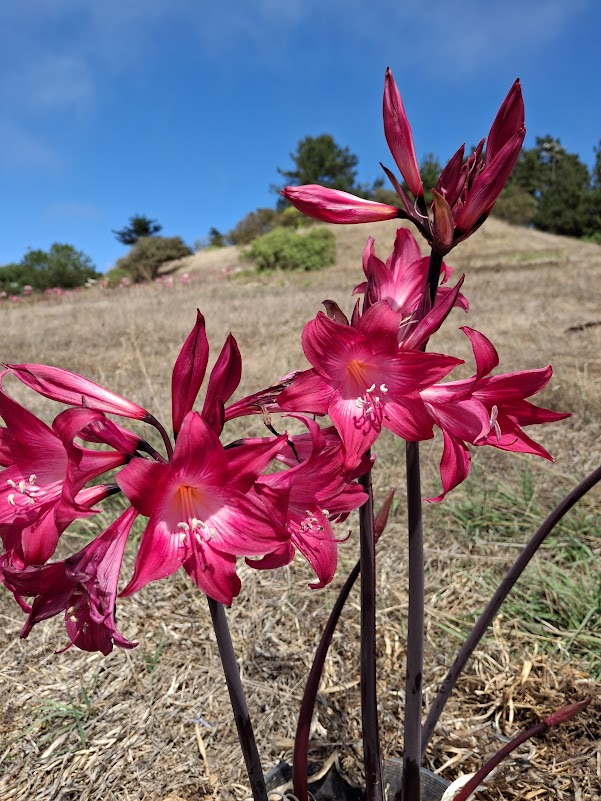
(410, 788)
(301, 740)
(369, 703)
(246, 734)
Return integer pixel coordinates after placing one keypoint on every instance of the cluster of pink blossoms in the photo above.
(208, 504)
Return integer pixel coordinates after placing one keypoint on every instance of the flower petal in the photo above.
(189, 372)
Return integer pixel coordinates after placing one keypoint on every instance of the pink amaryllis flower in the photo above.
(336, 206)
(402, 278)
(465, 192)
(317, 491)
(486, 410)
(75, 390)
(201, 515)
(363, 381)
(84, 586)
(45, 474)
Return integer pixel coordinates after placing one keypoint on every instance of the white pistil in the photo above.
(494, 413)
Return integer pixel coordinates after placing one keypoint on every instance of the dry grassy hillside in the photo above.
(153, 724)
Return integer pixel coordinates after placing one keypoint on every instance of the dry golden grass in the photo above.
(153, 724)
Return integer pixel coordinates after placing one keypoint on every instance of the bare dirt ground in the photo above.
(153, 724)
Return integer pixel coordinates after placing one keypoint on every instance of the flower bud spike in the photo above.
(399, 137)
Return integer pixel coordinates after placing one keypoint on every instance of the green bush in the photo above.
(61, 266)
(285, 249)
(515, 205)
(144, 260)
(255, 224)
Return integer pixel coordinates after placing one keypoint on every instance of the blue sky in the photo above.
(183, 109)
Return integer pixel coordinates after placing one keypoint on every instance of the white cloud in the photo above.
(50, 83)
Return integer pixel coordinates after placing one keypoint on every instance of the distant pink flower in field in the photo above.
(125, 281)
(185, 278)
(27, 289)
(15, 299)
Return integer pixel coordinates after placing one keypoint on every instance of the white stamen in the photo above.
(11, 498)
(383, 388)
(325, 512)
(11, 483)
(371, 389)
(22, 486)
(32, 478)
(360, 403)
(183, 526)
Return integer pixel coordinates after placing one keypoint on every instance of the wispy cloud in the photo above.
(52, 83)
(19, 148)
(72, 211)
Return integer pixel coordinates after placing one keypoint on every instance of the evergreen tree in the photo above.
(563, 193)
(139, 226)
(319, 160)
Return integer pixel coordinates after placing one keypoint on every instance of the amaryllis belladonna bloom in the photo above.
(40, 485)
(317, 491)
(486, 410)
(464, 194)
(402, 278)
(84, 586)
(201, 513)
(363, 381)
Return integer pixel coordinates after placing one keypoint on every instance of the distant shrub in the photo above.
(515, 205)
(144, 260)
(293, 218)
(61, 266)
(285, 249)
(255, 224)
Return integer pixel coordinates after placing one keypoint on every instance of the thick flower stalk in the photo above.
(465, 192)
